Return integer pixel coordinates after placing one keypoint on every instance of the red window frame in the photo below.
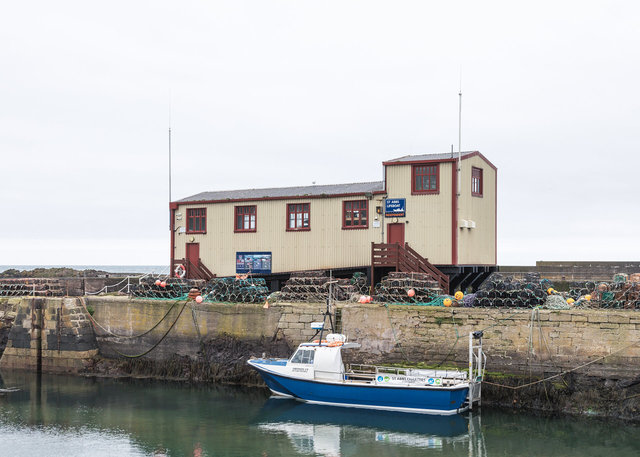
(425, 175)
(245, 218)
(476, 182)
(355, 214)
(296, 213)
(197, 220)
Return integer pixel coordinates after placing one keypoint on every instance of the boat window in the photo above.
(303, 356)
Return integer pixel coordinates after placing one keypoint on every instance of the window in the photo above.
(197, 220)
(476, 182)
(303, 356)
(425, 179)
(245, 218)
(354, 214)
(298, 216)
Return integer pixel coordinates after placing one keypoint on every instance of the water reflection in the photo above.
(70, 416)
(326, 430)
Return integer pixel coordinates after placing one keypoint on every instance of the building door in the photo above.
(395, 233)
(193, 258)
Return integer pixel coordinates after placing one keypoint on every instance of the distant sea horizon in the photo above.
(142, 269)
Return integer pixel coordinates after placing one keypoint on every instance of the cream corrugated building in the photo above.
(273, 232)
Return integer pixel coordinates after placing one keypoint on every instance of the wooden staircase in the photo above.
(194, 271)
(404, 258)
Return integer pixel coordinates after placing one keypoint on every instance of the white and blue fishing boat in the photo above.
(315, 373)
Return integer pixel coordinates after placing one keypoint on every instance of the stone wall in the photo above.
(516, 341)
(51, 335)
(574, 271)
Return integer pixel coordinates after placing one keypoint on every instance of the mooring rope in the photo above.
(563, 373)
(93, 321)
(158, 343)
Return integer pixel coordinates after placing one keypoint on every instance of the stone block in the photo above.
(619, 319)
(578, 318)
(560, 317)
(597, 318)
(607, 325)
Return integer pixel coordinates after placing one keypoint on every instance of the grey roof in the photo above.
(445, 155)
(284, 192)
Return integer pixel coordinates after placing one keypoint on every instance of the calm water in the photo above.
(68, 416)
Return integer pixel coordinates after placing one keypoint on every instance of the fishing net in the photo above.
(409, 288)
(33, 287)
(316, 286)
(506, 291)
(174, 288)
(607, 295)
(246, 290)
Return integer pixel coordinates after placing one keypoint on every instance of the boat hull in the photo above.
(425, 400)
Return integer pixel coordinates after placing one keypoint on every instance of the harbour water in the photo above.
(71, 416)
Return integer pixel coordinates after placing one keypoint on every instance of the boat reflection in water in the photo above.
(326, 430)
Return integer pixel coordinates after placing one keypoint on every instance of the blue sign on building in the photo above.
(395, 207)
(253, 262)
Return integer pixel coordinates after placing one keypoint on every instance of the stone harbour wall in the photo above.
(516, 341)
(51, 335)
(211, 342)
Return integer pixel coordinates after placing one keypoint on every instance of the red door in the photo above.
(395, 233)
(193, 258)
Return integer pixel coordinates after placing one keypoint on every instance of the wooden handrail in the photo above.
(406, 259)
(199, 271)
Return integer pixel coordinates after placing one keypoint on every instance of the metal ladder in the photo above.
(477, 363)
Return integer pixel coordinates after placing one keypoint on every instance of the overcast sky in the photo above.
(281, 93)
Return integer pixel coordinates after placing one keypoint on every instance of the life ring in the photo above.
(335, 344)
(180, 271)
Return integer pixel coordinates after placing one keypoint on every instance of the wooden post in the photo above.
(372, 271)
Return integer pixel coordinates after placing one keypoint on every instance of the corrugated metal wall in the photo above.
(477, 246)
(429, 216)
(327, 245)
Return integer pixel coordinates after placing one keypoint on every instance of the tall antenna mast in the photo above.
(459, 163)
(170, 216)
(459, 133)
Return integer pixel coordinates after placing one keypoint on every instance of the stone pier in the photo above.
(53, 335)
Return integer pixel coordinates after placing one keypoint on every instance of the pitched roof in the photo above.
(287, 192)
(440, 156)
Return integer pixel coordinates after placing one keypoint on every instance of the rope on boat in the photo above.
(93, 321)
(563, 373)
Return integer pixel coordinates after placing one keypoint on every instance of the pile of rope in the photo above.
(249, 290)
(33, 287)
(400, 287)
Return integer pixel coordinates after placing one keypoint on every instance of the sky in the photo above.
(270, 93)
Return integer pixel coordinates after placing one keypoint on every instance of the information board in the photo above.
(253, 262)
(395, 207)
